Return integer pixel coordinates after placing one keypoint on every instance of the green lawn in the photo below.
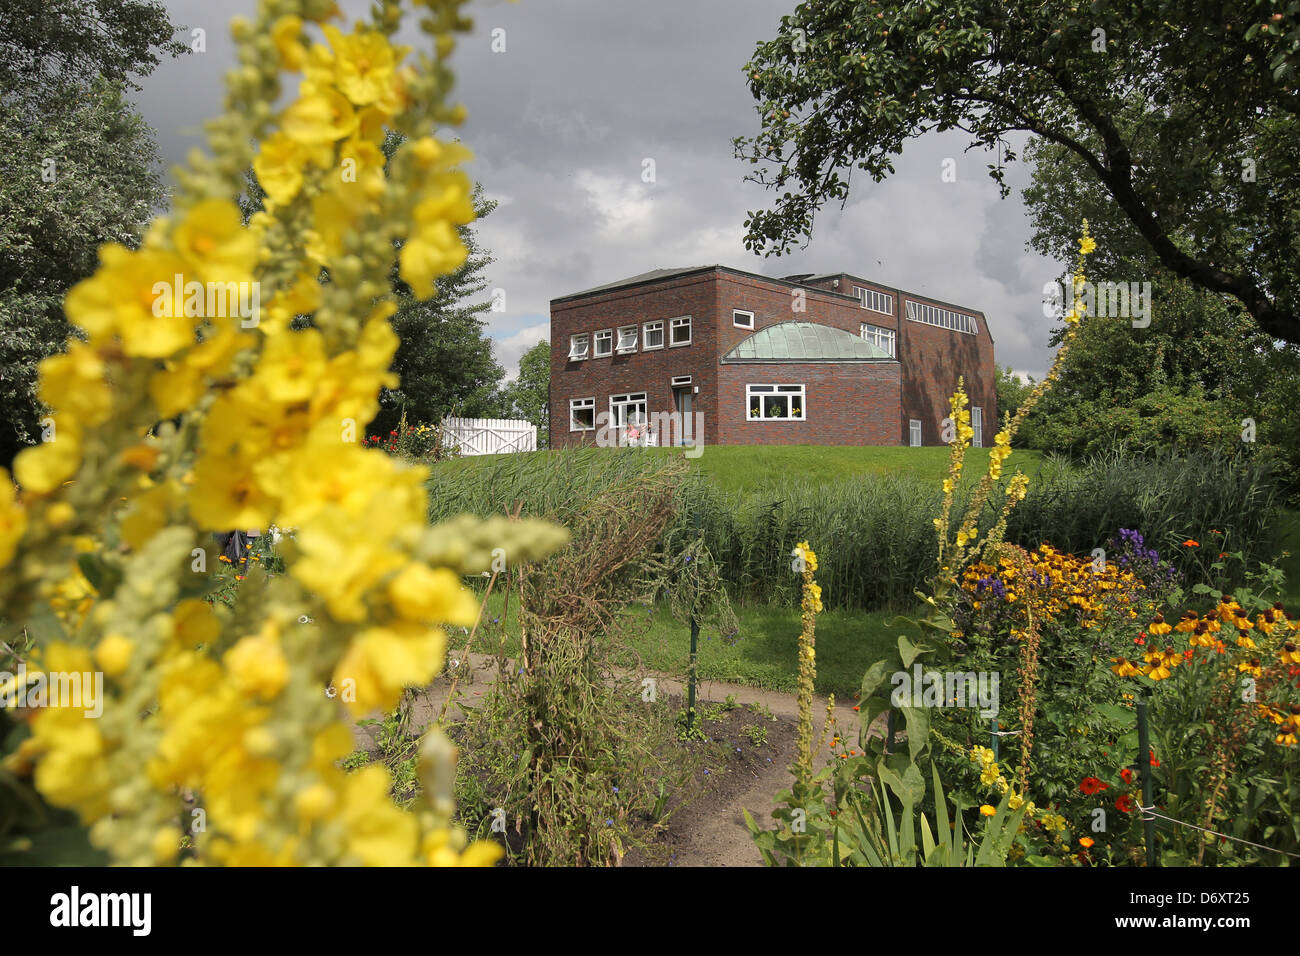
(745, 469)
(848, 642)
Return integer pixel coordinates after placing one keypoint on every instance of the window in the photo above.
(774, 403)
(977, 426)
(943, 318)
(652, 336)
(880, 338)
(626, 339)
(742, 319)
(604, 344)
(914, 433)
(582, 414)
(680, 331)
(875, 301)
(627, 409)
(578, 347)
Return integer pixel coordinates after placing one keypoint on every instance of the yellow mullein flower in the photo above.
(13, 519)
(286, 34)
(215, 243)
(133, 296)
(318, 116)
(363, 64)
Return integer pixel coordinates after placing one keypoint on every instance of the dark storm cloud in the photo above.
(585, 91)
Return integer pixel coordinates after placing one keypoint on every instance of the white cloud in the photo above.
(510, 349)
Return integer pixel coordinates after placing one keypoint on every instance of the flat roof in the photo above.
(799, 280)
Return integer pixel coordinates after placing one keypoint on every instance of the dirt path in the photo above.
(709, 831)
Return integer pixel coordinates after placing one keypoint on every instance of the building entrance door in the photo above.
(684, 406)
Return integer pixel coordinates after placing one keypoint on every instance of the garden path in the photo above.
(710, 831)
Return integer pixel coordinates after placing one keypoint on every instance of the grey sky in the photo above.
(586, 90)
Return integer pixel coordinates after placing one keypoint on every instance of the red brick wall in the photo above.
(649, 372)
(846, 404)
(772, 303)
(930, 359)
(933, 358)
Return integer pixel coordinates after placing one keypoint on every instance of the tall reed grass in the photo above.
(876, 541)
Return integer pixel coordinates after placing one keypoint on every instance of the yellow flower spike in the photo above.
(319, 116)
(166, 845)
(113, 654)
(258, 665)
(215, 244)
(13, 519)
(132, 296)
(260, 418)
(363, 64)
(287, 36)
(42, 469)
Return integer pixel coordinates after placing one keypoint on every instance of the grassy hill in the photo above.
(745, 469)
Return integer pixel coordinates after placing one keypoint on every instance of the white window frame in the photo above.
(942, 318)
(576, 354)
(579, 404)
(619, 419)
(796, 397)
(977, 426)
(606, 336)
(656, 326)
(742, 325)
(914, 437)
(881, 302)
(623, 347)
(878, 335)
(673, 325)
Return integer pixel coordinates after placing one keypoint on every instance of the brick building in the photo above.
(828, 359)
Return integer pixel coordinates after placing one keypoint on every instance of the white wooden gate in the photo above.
(489, 436)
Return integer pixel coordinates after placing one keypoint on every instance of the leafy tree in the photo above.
(1185, 111)
(1011, 391)
(79, 169)
(445, 359)
(528, 396)
(54, 45)
(1195, 375)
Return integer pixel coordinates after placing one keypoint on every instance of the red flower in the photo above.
(1154, 761)
(1091, 785)
(1124, 804)
(1126, 775)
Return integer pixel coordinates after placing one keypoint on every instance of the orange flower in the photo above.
(1086, 842)
(1091, 785)
(1189, 543)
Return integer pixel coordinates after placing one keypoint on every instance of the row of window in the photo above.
(762, 403)
(875, 301)
(976, 424)
(602, 344)
(944, 318)
(624, 410)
